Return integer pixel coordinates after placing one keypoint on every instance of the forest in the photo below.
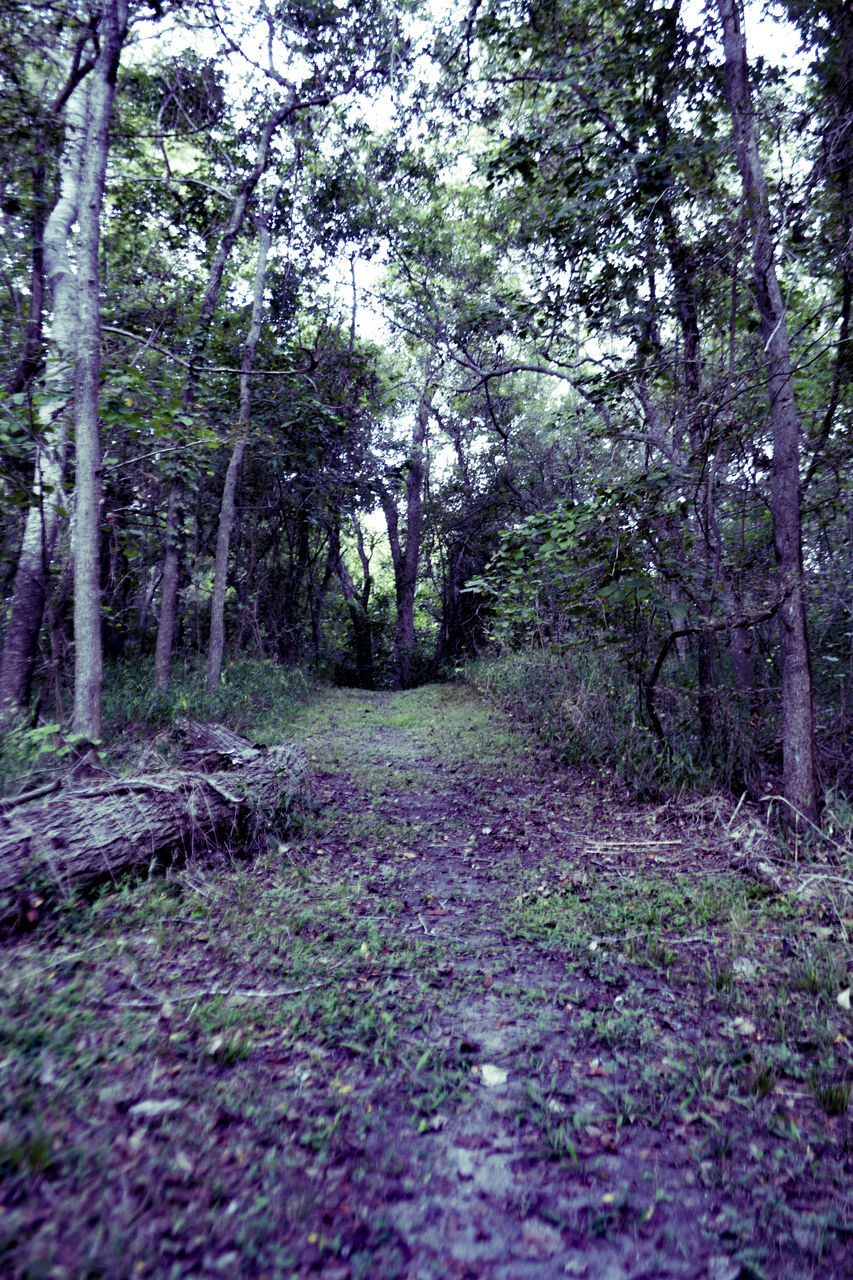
(381, 343)
(426, 639)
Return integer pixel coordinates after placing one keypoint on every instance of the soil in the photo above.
(526, 1059)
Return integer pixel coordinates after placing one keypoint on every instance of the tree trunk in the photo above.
(406, 558)
(169, 577)
(171, 559)
(88, 652)
(43, 517)
(357, 607)
(82, 831)
(797, 696)
(216, 645)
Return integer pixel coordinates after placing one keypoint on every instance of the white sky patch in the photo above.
(769, 33)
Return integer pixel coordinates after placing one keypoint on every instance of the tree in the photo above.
(227, 508)
(797, 695)
(56, 396)
(405, 553)
(88, 655)
(198, 342)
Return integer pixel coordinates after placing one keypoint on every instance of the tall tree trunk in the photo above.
(171, 560)
(88, 652)
(797, 695)
(216, 645)
(43, 516)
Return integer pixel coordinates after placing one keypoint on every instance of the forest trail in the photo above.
(599, 1133)
(479, 1019)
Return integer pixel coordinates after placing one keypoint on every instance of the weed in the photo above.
(228, 1049)
(763, 1081)
(560, 1131)
(253, 693)
(819, 973)
(658, 954)
(832, 1096)
(30, 1155)
(719, 978)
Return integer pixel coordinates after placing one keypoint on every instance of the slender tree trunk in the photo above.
(169, 577)
(406, 558)
(357, 607)
(216, 645)
(797, 695)
(43, 517)
(171, 559)
(88, 651)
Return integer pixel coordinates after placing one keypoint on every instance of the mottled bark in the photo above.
(43, 517)
(88, 652)
(797, 695)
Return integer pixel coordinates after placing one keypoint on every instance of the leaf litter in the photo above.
(478, 1018)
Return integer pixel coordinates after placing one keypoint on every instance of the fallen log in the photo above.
(227, 791)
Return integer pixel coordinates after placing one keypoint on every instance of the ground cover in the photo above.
(474, 1017)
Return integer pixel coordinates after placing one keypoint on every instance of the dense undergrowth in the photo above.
(588, 708)
(252, 695)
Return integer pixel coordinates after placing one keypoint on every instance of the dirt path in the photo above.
(601, 1133)
(479, 1020)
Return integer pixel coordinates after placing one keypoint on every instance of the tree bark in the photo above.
(88, 650)
(80, 832)
(45, 512)
(797, 694)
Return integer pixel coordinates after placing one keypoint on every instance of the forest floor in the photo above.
(480, 1018)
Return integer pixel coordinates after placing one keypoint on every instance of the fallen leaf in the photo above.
(844, 998)
(721, 1268)
(492, 1075)
(742, 1026)
(151, 1107)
